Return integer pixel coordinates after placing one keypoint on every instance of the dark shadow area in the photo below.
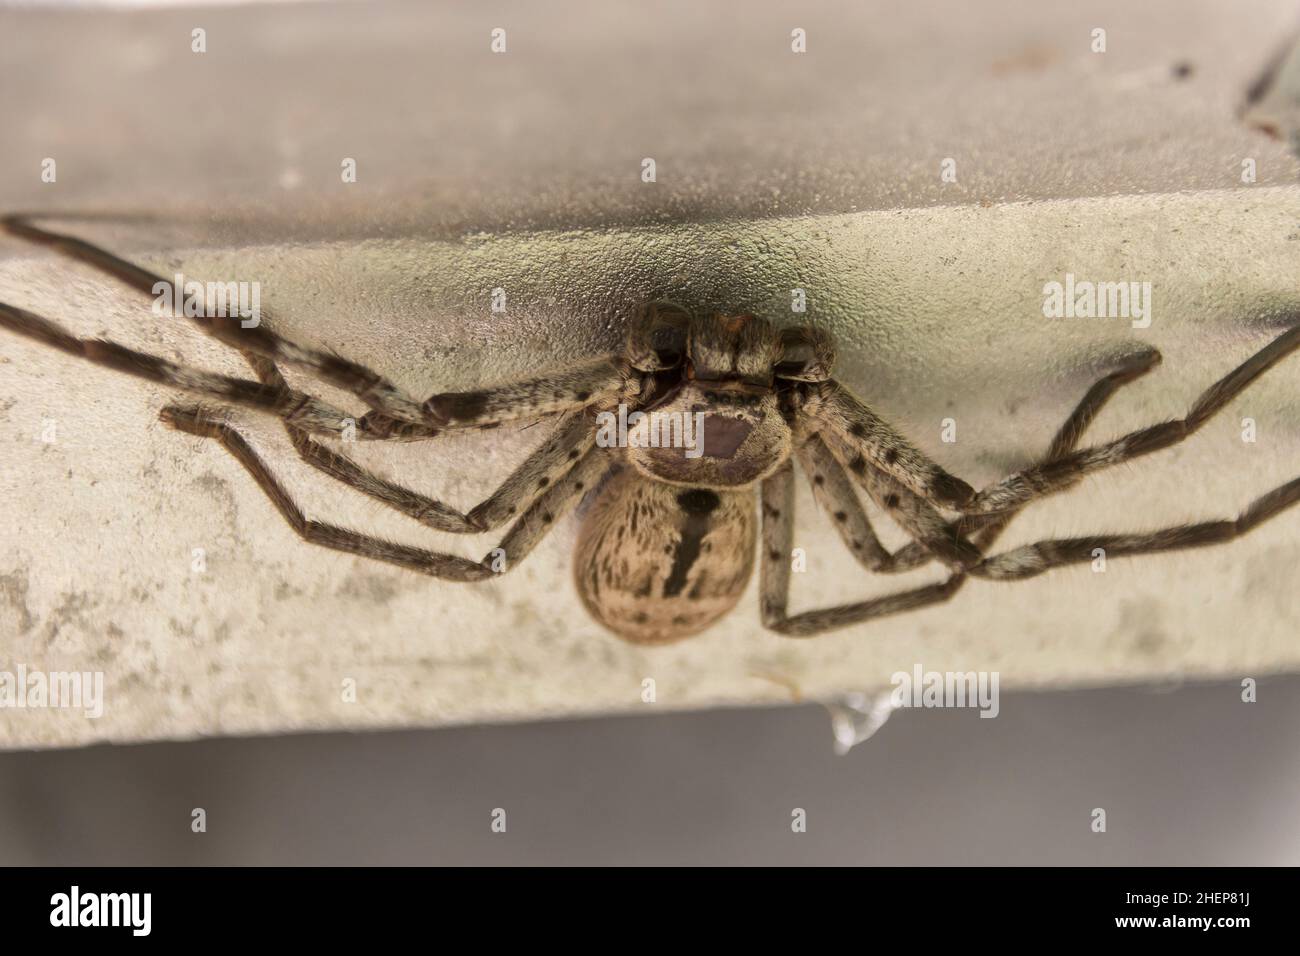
(1191, 777)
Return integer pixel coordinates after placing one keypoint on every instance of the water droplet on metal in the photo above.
(856, 716)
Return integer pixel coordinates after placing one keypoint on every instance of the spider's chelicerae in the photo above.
(667, 546)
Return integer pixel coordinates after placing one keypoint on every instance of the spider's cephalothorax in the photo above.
(667, 545)
(726, 380)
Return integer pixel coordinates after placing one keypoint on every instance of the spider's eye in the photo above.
(657, 337)
(806, 355)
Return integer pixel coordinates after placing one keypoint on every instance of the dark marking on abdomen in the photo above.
(696, 504)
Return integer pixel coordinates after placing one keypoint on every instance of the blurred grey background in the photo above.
(1187, 776)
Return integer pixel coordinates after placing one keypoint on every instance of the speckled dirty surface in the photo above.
(1108, 167)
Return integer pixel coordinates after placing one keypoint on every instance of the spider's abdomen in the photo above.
(656, 563)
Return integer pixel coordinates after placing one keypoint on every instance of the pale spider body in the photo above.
(668, 546)
(667, 541)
